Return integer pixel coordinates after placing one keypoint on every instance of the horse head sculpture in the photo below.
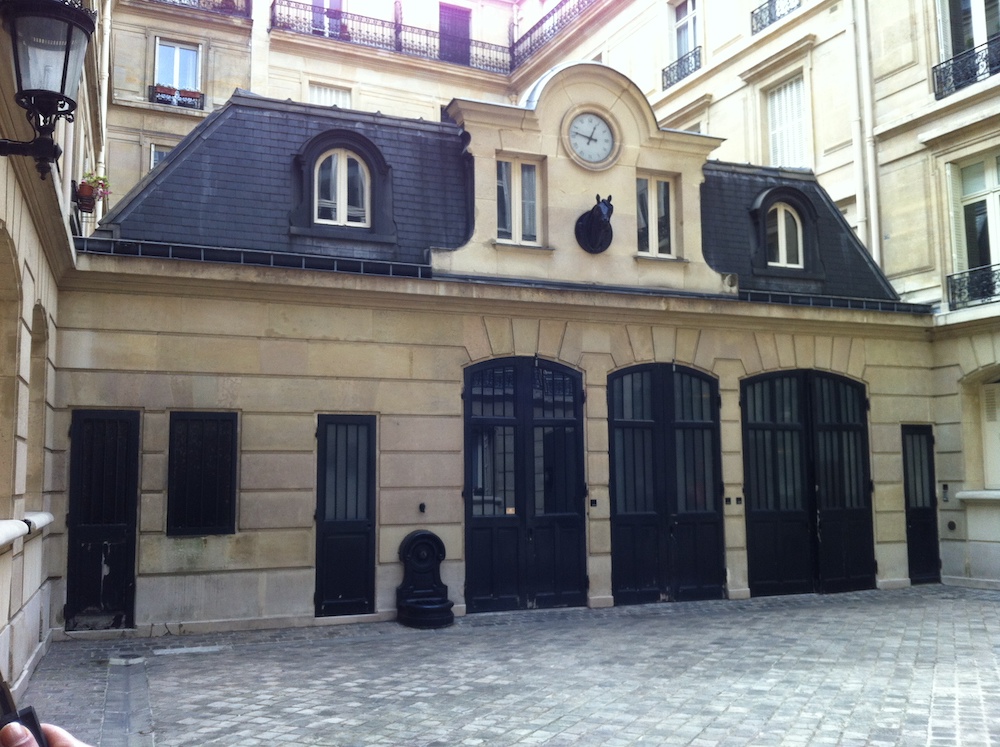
(593, 228)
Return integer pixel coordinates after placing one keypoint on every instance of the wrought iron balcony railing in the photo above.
(681, 68)
(770, 12)
(160, 94)
(305, 18)
(238, 8)
(547, 29)
(966, 68)
(977, 286)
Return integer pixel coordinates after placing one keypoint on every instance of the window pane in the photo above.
(357, 188)
(642, 212)
(505, 225)
(326, 189)
(974, 178)
(187, 69)
(167, 62)
(977, 234)
(773, 251)
(992, 18)
(492, 470)
(785, 124)
(529, 229)
(791, 238)
(960, 12)
(663, 217)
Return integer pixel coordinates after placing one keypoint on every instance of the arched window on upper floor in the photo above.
(783, 232)
(342, 190)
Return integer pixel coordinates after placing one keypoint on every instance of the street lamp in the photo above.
(49, 40)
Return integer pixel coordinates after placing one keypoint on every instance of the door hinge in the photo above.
(586, 583)
(583, 395)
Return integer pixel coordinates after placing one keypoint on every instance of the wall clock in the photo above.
(591, 139)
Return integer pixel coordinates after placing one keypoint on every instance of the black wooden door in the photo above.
(525, 543)
(807, 484)
(666, 520)
(454, 32)
(345, 515)
(101, 524)
(921, 504)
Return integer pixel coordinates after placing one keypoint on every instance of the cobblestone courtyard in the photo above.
(909, 667)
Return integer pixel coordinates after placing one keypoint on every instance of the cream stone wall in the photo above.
(295, 345)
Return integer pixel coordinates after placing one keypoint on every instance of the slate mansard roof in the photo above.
(237, 178)
(734, 202)
(231, 191)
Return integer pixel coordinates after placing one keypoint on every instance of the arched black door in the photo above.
(666, 487)
(524, 488)
(807, 484)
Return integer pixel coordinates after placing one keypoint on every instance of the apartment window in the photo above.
(967, 24)
(652, 197)
(201, 475)
(455, 24)
(786, 124)
(157, 153)
(685, 27)
(177, 65)
(329, 96)
(783, 231)
(342, 189)
(517, 202)
(979, 185)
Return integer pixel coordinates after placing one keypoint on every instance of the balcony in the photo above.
(235, 8)
(393, 36)
(551, 24)
(967, 68)
(160, 94)
(681, 68)
(770, 12)
(974, 287)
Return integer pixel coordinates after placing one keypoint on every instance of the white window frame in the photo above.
(685, 27)
(787, 131)
(174, 80)
(963, 197)
(653, 182)
(155, 148)
(341, 189)
(783, 209)
(980, 31)
(517, 199)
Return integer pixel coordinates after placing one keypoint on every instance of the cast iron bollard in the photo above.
(422, 600)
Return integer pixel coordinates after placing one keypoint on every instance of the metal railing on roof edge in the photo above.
(250, 257)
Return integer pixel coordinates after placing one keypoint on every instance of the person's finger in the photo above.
(15, 735)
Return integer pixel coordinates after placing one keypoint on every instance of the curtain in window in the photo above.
(529, 229)
(687, 32)
(357, 189)
(326, 189)
(642, 212)
(663, 217)
(785, 116)
(187, 69)
(505, 226)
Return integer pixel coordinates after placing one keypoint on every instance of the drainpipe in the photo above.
(104, 76)
(868, 113)
(857, 137)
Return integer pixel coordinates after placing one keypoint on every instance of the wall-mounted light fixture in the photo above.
(49, 40)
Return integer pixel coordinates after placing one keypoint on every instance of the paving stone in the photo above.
(904, 667)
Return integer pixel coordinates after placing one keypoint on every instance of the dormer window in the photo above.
(342, 190)
(343, 193)
(783, 230)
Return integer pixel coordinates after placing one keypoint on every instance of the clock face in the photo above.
(591, 138)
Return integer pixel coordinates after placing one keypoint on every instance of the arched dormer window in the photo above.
(783, 231)
(342, 190)
(785, 235)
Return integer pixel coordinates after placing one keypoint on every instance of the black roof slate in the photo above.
(233, 182)
(839, 265)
